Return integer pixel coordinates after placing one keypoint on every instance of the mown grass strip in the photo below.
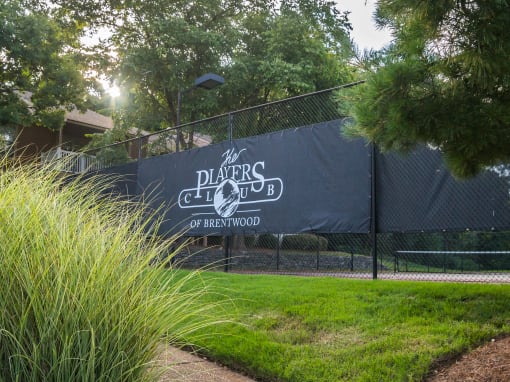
(327, 329)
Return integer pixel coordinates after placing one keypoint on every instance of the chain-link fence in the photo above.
(289, 113)
(444, 256)
(294, 253)
(425, 231)
(463, 256)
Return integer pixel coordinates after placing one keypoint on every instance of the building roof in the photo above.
(89, 118)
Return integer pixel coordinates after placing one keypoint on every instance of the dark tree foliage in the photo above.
(265, 50)
(287, 49)
(445, 81)
(154, 50)
(40, 66)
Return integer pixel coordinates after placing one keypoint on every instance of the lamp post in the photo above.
(207, 81)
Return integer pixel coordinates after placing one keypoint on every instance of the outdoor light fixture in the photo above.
(208, 81)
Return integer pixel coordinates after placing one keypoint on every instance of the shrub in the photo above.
(266, 240)
(305, 242)
(78, 300)
(249, 241)
(215, 240)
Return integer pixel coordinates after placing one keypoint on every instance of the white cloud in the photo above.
(364, 33)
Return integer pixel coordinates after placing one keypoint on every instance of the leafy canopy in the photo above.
(265, 51)
(299, 47)
(39, 76)
(445, 81)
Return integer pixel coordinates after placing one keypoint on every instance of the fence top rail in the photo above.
(184, 125)
(455, 252)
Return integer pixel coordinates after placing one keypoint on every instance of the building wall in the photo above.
(31, 141)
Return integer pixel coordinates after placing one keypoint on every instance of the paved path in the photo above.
(185, 367)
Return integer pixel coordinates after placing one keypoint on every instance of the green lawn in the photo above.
(327, 329)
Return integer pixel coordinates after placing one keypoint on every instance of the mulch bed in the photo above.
(488, 363)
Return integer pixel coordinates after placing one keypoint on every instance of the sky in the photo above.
(364, 33)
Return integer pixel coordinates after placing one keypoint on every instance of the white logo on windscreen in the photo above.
(230, 194)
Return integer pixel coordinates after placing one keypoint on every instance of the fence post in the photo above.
(352, 260)
(373, 212)
(230, 127)
(139, 148)
(82, 163)
(446, 247)
(278, 252)
(226, 244)
(318, 252)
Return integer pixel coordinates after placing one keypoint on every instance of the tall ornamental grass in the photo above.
(80, 299)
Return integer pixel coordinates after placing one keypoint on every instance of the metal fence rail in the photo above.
(293, 112)
(463, 261)
(71, 161)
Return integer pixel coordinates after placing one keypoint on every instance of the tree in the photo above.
(445, 81)
(264, 50)
(39, 76)
(161, 48)
(299, 47)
